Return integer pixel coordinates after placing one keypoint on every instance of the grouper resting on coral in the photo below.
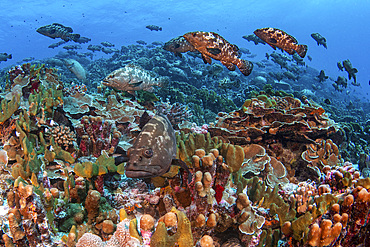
(154, 150)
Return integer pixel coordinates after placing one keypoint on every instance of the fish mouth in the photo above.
(154, 171)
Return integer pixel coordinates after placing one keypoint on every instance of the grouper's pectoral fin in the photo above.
(228, 65)
(182, 164)
(136, 84)
(173, 170)
(206, 59)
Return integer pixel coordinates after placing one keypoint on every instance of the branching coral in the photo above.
(63, 136)
(96, 135)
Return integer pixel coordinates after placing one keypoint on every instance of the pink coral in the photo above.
(89, 240)
(199, 129)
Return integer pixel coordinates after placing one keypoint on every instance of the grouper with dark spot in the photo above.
(154, 150)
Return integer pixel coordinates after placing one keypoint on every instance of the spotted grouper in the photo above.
(212, 45)
(154, 150)
(280, 39)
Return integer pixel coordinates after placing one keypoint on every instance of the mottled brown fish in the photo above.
(280, 39)
(131, 78)
(212, 45)
(178, 45)
(57, 30)
(153, 151)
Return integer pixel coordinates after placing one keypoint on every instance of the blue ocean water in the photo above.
(342, 23)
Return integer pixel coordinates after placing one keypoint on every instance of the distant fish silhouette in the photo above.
(5, 56)
(54, 45)
(71, 47)
(278, 38)
(347, 65)
(319, 39)
(141, 42)
(57, 30)
(107, 44)
(154, 27)
(83, 40)
(340, 66)
(109, 50)
(322, 77)
(94, 48)
(256, 40)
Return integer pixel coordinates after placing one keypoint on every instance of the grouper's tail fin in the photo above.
(74, 37)
(302, 50)
(245, 67)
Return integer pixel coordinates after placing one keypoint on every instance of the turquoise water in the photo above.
(343, 23)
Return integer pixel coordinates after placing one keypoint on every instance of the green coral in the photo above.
(265, 196)
(8, 108)
(300, 226)
(46, 99)
(30, 163)
(103, 165)
(233, 155)
(188, 143)
(269, 238)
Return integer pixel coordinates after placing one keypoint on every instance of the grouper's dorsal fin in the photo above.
(144, 119)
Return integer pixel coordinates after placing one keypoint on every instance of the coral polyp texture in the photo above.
(274, 172)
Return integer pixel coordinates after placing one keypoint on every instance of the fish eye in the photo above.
(177, 45)
(147, 153)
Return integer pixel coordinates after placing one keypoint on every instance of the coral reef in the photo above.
(278, 171)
